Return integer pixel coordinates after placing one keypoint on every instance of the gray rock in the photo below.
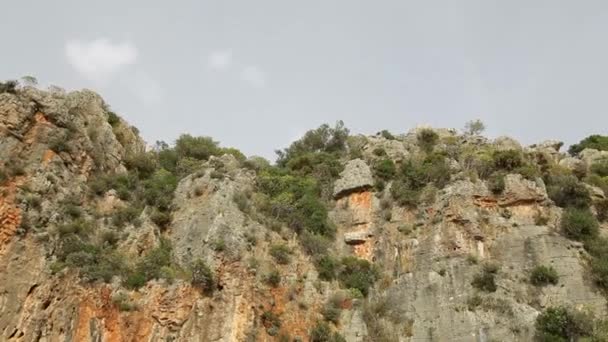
(589, 155)
(356, 175)
(355, 238)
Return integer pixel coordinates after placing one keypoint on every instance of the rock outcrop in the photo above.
(72, 172)
(356, 176)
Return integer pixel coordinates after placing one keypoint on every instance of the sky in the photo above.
(258, 74)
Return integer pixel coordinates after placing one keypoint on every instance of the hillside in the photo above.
(430, 235)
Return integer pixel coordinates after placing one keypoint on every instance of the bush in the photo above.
(322, 139)
(281, 254)
(579, 224)
(427, 139)
(200, 148)
(242, 202)
(273, 278)
(321, 332)
(557, 324)
(485, 280)
(144, 164)
(507, 160)
(113, 119)
(387, 135)
(474, 127)
(160, 218)
(543, 275)
(496, 183)
(333, 309)
(202, 276)
(151, 265)
(602, 210)
(414, 175)
(314, 244)
(357, 274)
(600, 167)
(271, 322)
(598, 142)
(567, 191)
(327, 267)
(9, 87)
(385, 169)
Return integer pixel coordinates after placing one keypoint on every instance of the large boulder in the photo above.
(356, 176)
(519, 190)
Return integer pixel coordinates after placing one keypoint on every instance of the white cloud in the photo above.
(98, 59)
(219, 60)
(254, 76)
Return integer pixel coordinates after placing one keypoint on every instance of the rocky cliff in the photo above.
(432, 235)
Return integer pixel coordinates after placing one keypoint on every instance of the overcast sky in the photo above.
(257, 74)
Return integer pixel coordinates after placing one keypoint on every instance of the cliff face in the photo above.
(268, 277)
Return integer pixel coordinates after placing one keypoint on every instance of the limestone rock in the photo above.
(521, 190)
(355, 238)
(589, 155)
(357, 175)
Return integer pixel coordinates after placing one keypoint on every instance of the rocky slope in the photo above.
(101, 240)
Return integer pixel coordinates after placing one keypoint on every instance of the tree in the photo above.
(29, 80)
(474, 127)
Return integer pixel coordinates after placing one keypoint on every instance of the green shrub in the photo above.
(379, 152)
(314, 244)
(160, 218)
(273, 278)
(598, 142)
(543, 275)
(271, 322)
(474, 302)
(385, 169)
(333, 309)
(9, 86)
(242, 202)
(321, 332)
(60, 144)
(496, 183)
(485, 280)
(567, 191)
(202, 276)
(145, 164)
(150, 266)
(327, 267)
(127, 215)
(557, 324)
(357, 273)
(200, 148)
(600, 167)
(599, 270)
(601, 207)
(414, 175)
(387, 135)
(474, 127)
(507, 160)
(579, 224)
(281, 254)
(323, 139)
(158, 189)
(427, 139)
(113, 119)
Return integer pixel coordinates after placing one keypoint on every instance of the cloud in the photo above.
(99, 59)
(254, 76)
(219, 60)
